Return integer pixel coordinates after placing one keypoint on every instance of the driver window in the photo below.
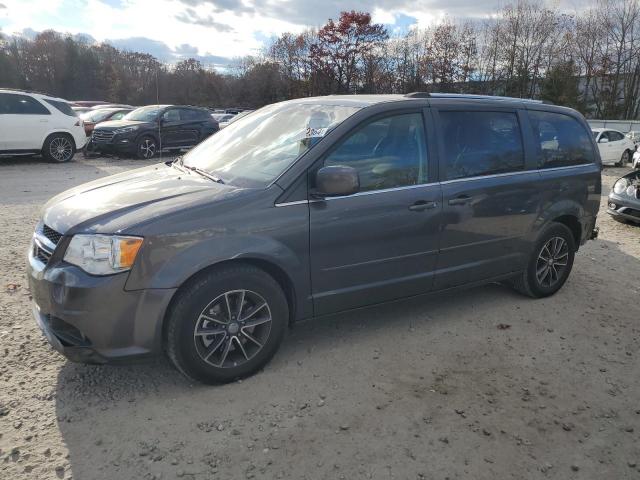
(387, 153)
(171, 116)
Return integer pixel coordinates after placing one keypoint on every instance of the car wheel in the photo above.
(550, 263)
(146, 147)
(58, 148)
(226, 324)
(624, 159)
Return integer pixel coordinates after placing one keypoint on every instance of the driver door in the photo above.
(170, 126)
(382, 242)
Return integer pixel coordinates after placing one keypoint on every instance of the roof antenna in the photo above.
(159, 119)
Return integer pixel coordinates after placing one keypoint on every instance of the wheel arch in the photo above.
(272, 269)
(573, 223)
(59, 132)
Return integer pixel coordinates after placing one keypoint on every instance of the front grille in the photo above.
(41, 254)
(51, 234)
(102, 136)
(45, 240)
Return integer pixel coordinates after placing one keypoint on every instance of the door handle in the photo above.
(460, 200)
(422, 205)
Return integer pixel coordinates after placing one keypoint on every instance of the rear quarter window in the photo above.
(561, 140)
(63, 107)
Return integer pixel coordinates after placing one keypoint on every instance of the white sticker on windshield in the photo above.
(315, 132)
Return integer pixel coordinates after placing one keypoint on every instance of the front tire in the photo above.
(146, 147)
(226, 324)
(58, 148)
(550, 263)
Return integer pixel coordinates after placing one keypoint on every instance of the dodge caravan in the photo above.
(311, 207)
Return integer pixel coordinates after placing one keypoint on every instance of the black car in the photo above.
(624, 199)
(147, 130)
(307, 208)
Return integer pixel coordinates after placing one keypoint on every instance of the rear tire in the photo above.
(550, 263)
(58, 148)
(624, 159)
(218, 329)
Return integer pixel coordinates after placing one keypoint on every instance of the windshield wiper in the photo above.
(204, 174)
(179, 163)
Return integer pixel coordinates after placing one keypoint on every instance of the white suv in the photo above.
(35, 123)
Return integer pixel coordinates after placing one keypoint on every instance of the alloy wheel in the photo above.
(232, 328)
(147, 148)
(552, 261)
(61, 149)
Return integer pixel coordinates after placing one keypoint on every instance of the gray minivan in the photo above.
(306, 208)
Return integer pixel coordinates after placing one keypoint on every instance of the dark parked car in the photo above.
(311, 207)
(624, 199)
(147, 130)
(93, 117)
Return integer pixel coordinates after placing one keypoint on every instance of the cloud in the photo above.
(166, 54)
(114, 3)
(191, 16)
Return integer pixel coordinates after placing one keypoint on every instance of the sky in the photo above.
(216, 31)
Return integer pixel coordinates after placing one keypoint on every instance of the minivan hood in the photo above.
(137, 195)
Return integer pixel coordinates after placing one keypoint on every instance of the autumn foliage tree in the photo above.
(339, 52)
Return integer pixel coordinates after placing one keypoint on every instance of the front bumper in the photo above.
(93, 319)
(624, 208)
(118, 143)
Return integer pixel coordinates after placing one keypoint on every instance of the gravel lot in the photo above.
(482, 384)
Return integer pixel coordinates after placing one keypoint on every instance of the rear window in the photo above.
(481, 143)
(63, 107)
(561, 140)
(15, 104)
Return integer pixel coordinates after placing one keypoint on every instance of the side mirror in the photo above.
(603, 140)
(336, 181)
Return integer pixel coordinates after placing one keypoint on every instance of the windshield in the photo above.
(144, 114)
(95, 115)
(595, 134)
(256, 149)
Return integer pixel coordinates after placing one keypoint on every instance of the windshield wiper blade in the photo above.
(205, 174)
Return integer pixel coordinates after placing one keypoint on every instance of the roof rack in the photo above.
(469, 96)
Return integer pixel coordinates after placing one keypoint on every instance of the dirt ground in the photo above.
(481, 384)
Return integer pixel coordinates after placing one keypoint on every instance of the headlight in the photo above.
(126, 129)
(620, 186)
(103, 254)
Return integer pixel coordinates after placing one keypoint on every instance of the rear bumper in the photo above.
(94, 319)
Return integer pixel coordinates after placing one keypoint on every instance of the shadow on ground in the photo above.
(481, 383)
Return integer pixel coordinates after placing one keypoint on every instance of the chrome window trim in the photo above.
(446, 182)
(567, 167)
(359, 194)
(296, 202)
(384, 190)
(494, 175)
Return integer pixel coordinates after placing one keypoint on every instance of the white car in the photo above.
(33, 123)
(615, 148)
